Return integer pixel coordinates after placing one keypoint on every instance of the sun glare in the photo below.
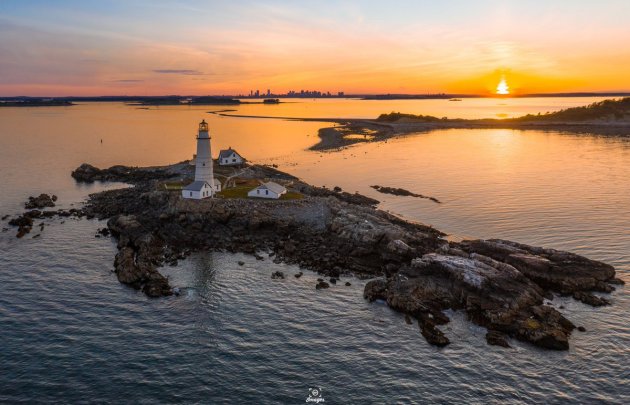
(502, 87)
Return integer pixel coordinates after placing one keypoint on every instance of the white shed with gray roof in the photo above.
(268, 190)
(199, 189)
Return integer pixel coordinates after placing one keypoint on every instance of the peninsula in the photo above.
(608, 117)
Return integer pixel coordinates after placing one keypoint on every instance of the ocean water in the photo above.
(71, 333)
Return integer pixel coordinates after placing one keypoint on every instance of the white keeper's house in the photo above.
(230, 157)
(268, 190)
(205, 185)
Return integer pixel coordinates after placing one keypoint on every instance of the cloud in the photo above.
(127, 81)
(187, 72)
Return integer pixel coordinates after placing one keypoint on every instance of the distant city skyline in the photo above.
(78, 48)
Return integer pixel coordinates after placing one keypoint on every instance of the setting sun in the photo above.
(502, 87)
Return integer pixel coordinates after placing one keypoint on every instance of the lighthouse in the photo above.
(205, 185)
(203, 164)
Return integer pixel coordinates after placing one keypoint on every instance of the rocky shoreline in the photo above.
(499, 284)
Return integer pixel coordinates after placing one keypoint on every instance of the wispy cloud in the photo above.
(187, 72)
(127, 81)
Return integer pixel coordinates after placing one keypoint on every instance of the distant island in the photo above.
(131, 100)
(35, 103)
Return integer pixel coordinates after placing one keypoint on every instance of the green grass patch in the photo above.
(241, 192)
(174, 185)
(235, 192)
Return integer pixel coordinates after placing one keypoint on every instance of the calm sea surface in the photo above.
(69, 332)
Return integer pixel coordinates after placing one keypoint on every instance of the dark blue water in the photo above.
(71, 333)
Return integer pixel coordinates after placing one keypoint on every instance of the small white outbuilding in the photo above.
(200, 189)
(230, 157)
(268, 190)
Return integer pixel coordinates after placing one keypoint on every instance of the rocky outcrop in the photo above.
(87, 173)
(501, 289)
(135, 261)
(41, 201)
(402, 192)
(344, 196)
(562, 272)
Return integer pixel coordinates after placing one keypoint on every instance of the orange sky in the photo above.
(197, 47)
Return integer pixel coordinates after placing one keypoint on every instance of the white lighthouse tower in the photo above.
(203, 166)
(205, 184)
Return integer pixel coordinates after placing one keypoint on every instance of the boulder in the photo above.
(496, 338)
(277, 275)
(41, 201)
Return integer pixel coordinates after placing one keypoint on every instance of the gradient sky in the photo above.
(218, 47)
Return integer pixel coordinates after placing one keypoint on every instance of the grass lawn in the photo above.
(235, 192)
(173, 185)
(241, 192)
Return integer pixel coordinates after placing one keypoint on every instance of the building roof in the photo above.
(271, 186)
(225, 153)
(196, 185)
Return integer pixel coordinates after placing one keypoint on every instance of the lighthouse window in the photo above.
(191, 193)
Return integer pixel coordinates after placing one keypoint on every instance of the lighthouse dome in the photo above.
(203, 126)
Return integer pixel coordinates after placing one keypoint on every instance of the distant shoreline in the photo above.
(36, 103)
(388, 96)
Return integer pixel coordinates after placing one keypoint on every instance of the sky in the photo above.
(159, 47)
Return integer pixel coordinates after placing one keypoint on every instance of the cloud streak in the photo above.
(186, 72)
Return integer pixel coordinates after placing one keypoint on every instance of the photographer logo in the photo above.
(315, 395)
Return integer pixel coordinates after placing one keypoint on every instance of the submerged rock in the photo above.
(321, 285)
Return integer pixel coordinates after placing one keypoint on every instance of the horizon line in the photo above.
(348, 95)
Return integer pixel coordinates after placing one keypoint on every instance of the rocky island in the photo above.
(499, 284)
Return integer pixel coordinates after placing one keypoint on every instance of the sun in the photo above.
(502, 87)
